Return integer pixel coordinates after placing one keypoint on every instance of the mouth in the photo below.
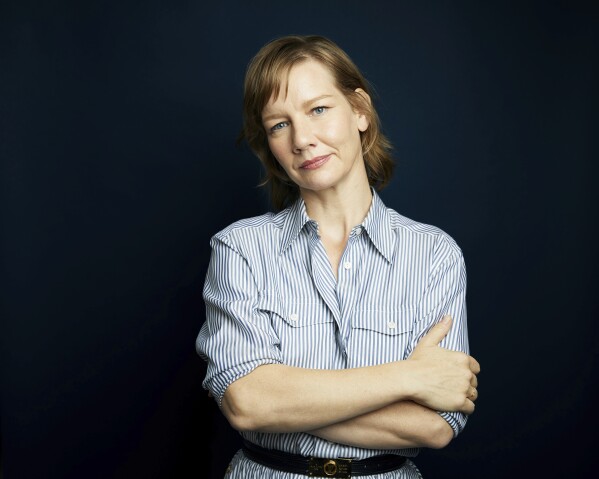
(315, 162)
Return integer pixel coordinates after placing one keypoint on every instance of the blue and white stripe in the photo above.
(271, 297)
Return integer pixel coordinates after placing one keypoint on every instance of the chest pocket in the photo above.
(305, 314)
(305, 329)
(391, 322)
(301, 313)
(382, 335)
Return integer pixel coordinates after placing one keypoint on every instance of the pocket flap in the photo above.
(389, 322)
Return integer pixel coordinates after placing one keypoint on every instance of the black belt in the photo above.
(321, 466)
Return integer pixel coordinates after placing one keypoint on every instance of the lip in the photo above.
(315, 162)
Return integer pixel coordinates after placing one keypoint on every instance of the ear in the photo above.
(363, 121)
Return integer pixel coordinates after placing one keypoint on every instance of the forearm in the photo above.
(280, 398)
(403, 424)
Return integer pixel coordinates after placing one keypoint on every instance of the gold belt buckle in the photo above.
(325, 467)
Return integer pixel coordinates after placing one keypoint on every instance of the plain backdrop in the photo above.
(118, 123)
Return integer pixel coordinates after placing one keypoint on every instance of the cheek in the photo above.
(341, 129)
(335, 133)
(275, 147)
(278, 149)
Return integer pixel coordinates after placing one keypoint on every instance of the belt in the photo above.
(321, 466)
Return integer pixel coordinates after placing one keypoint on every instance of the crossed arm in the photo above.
(388, 406)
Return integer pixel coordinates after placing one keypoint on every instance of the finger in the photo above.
(438, 331)
(472, 394)
(474, 381)
(474, 365)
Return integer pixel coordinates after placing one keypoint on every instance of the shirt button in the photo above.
(391, 324)
(359, 231)
(347, 265)
(293, 317)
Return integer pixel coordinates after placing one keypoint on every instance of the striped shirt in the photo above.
(272, 298)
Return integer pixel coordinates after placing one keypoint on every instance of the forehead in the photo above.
(302, 80)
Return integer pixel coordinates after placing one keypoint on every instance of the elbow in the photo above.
(237, 413)
(237, 421)
(440, 436)
(243, 409)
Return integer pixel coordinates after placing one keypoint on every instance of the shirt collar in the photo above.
(294, 223)
(377, 225)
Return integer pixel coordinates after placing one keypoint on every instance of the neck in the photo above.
(338, 210)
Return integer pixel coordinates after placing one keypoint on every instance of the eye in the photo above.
(319, 110)
(278, 126)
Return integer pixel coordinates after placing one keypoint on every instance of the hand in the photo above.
(443, 379)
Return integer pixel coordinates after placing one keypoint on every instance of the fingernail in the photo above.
(446, 319)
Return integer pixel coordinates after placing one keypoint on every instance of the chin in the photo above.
(317, 187)
(320, 184)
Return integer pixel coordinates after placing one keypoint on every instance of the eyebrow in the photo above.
(304, 105)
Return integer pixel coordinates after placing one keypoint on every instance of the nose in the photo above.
(303, 136)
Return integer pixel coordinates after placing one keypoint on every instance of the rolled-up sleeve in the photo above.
(235, 337)
(445, 293)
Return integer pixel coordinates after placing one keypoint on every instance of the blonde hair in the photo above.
(263, 80)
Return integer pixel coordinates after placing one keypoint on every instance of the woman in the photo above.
(335, 327)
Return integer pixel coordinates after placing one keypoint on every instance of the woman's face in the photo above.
(313, 132)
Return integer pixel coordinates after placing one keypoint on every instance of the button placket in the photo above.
(346, 281)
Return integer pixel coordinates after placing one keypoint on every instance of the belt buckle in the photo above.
(325, 467)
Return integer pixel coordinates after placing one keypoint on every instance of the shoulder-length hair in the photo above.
(263, 81)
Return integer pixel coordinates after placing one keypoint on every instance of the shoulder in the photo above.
(248, 229)
(247, 224)
(425, 233)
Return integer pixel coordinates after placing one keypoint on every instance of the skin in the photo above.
(386, 406)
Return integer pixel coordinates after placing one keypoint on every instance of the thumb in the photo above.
(438, 331)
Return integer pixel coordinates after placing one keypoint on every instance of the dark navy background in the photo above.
(118, 123)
